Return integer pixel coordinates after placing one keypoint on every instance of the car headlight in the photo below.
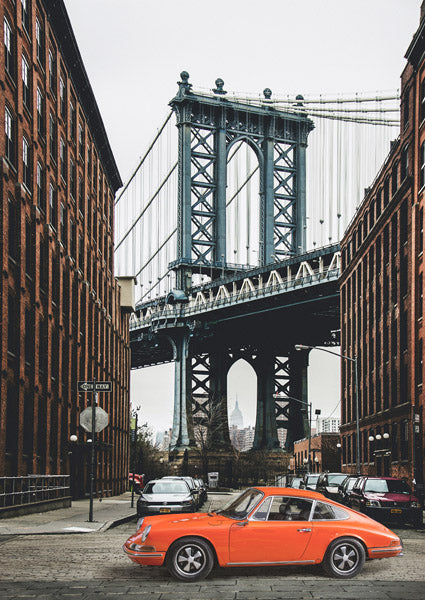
(187, 502)
(145, 532)
(374, 503)
(140, 522)
(414, 504)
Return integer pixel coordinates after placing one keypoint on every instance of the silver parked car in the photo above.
(165, 496)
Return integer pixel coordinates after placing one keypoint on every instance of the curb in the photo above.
(116, 522)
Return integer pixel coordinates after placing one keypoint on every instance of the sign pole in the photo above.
(93, 455)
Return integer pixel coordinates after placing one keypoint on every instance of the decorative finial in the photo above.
(267, 93)
(300, 99)
(219, 87)
(184, 85)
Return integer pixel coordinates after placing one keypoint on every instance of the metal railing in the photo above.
(30, 489)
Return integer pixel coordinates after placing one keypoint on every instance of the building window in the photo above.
(73, 238)
(89, 161)
(41, 194)
(62, 97)
(53, 138)
(72, 180)
(26, 15)
(62, 151)
(13, 229)
(39, 41)
(72, 120)
(9, 129)
(394, 179)
(419, 362)
(421, 231)
(81, 252)
(9, 49)
(40, 112)
(386, 191)
(13, 324)
(422, 117)
(53, 206)
(404, 164)
(26, 88)
(52, 71)
(29, 249)
(26, 163)
(81, 141)
(81, 195)
(63, 224)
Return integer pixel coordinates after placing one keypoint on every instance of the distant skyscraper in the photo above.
(329, 425)
(236, 418)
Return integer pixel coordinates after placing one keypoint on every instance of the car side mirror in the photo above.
(242, 523)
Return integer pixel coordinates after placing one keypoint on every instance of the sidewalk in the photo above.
(106, 513)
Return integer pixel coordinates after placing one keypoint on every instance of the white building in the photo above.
(329, 425)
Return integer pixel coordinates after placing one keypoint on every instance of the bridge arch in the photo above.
(243, 202)
(242, 397)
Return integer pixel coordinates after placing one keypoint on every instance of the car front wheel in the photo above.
(344, 558)
(190, 559)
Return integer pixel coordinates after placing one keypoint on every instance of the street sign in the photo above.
(101, 419)
(101, 386)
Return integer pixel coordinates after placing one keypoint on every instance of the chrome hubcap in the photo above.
(345, 558)
(190, 559)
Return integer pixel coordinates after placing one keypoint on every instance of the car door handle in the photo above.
(305, 530)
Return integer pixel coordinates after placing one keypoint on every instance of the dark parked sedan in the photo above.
(165, 496)
(345, 488)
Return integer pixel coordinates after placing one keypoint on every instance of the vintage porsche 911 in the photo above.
(263, 526)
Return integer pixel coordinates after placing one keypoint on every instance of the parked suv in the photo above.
(345, 488)
(328, 483)
(386, 499)
(310, 481)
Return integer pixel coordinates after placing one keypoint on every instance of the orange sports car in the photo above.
(263, 526)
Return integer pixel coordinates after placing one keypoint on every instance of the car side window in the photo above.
(326, 512)
(287, 508)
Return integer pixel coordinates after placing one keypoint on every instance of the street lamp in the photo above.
(356, 387)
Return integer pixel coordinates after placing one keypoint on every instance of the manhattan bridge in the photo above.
(231, 225)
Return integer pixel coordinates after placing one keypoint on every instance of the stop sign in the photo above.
(101, 419)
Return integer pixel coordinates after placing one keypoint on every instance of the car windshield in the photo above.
(335, 479)
(312, 478)
(384, 486)
(166, 487)
(240, 507)
(350, 484)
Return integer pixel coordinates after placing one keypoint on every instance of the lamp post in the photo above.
(356, 387)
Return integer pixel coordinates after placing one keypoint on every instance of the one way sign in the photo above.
(101, 386)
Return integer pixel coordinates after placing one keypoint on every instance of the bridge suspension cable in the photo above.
(345, 150)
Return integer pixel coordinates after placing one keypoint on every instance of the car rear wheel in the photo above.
(344, 558)
(190, 559)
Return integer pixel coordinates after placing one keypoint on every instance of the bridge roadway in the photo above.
(292, 301)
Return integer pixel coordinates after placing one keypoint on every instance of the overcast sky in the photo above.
(134, 51)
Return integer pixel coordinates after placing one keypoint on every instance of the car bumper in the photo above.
(150, 557)
(384, 552)
(394, 514)
(158, 509)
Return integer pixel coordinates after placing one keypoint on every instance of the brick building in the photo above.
(61, 314)
(324, 454)
(382, 298)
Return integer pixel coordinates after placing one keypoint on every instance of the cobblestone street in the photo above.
(87, 566)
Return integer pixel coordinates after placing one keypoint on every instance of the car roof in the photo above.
(278, 491)
(386, 478)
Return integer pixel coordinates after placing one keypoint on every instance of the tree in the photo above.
(145, 458)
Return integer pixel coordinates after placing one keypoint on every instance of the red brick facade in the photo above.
(61, 320)
(382, 301)
(325, 455)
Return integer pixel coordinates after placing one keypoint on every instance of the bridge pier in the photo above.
(265, 425)
(182, 436)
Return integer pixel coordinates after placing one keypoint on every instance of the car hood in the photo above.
(165, 497)
(191, 519)
(390, 497)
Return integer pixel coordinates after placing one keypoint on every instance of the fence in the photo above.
(32, 489)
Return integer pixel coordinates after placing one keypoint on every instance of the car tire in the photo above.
(344, 558)
(190, 559)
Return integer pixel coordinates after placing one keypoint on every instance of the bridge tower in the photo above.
(208, 127)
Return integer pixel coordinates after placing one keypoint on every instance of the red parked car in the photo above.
(386, 499)
(137, 480)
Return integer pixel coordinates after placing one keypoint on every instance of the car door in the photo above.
(276, 533)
